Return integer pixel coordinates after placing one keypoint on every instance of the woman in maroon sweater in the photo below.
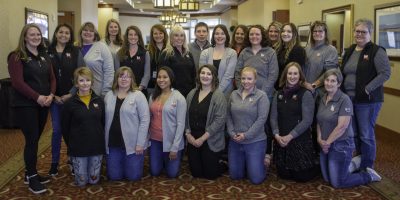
(34, 84)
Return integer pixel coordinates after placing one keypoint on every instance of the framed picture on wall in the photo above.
(304, 33)
(387, 28)
(39, 18)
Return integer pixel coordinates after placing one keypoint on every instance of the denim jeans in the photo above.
(55, 111)
(160, 160)
(335, 166)
(87, 169)
(120, 165)
(364, 121)
(250, 157)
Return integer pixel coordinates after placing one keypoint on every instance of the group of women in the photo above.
(130, 99)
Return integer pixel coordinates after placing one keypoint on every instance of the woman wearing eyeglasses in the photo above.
(365, 68)
(126, 127)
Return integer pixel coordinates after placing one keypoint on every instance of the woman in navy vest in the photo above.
(65, 58)
(34, 85)
(292, 113)
(365, 68)
(133, 55)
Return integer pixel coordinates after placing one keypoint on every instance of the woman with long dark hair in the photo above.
(65, 59)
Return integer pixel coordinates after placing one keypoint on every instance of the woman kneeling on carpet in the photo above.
(82, 125)
(335, 136)
(127, 124)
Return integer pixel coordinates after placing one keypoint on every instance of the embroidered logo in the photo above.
(68, 55)
(42, 58)
(347, 109)
(173, 104)
(366, 57)
(332, 108)
(96, 105)
(138, 58)
(262, 55)
(318, 54)
(280, 97)
(294, 97)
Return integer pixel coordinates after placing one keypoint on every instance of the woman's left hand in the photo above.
(286, 139)
(49, 99)
(173, 155)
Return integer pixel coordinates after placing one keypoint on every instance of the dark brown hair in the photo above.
(225, 30)
(283, 78)
(214, 73)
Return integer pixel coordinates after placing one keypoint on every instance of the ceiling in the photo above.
(145, 7)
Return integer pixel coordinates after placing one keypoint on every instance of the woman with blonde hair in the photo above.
(82, 125)
(274, 32)
(177, 56)
(126, 127)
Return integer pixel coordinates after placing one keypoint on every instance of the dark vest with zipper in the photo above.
(64, 68)
(136, 63)
(365, 73)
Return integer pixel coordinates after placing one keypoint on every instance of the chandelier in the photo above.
(189, 5)
(163, 4)
(180, 19)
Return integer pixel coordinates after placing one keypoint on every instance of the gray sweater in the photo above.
(101, 63)
(266, 64)
(307, 112)
(134, 119)
(216, 117)
(248, 115)
(320, 58)
(226, 68)
(173, 121)
(195, 49)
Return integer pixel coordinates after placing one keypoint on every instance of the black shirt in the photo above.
(216, 64)
(115, 137)
(198, 114)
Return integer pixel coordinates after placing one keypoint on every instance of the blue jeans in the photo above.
(120, 165)
(364, 121)
(247, 156)
(160, 160)
(87, 169)
(55, 111)
(335, 166)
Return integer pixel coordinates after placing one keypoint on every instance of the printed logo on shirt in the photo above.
(42, 58)
(332, 108)
(347, 109)
(68, 55)
(318, 54)
(95, 105)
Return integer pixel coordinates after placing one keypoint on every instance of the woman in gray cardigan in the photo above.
(205, 123)
(222, 57)
(167, 123)
(126, 127)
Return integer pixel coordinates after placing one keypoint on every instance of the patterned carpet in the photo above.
(186, 187)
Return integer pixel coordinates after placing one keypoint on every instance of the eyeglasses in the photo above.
(318, 31)
(125, 77)
(358, 32)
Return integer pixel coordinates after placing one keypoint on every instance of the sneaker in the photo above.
(355, 164)
(374, 175)
(42, 179)
(53, 169)
(35, 185)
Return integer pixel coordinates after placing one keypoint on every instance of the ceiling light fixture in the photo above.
(189, 5)
(163, 4)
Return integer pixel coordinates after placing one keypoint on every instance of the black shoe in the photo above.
(53, 169)
(35, 185)
(42, 179)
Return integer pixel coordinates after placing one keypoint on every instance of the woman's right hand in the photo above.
(58, 100)
(41, 100)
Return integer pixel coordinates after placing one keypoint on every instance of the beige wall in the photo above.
(104, 14)
(261, 9)
(75, 7)
(12, 19)
(144, 23)
(230, 18)
(362, 9)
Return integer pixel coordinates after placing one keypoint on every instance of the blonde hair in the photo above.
(83, 71)
(249, 69)
(118, 73)
(169, 49)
